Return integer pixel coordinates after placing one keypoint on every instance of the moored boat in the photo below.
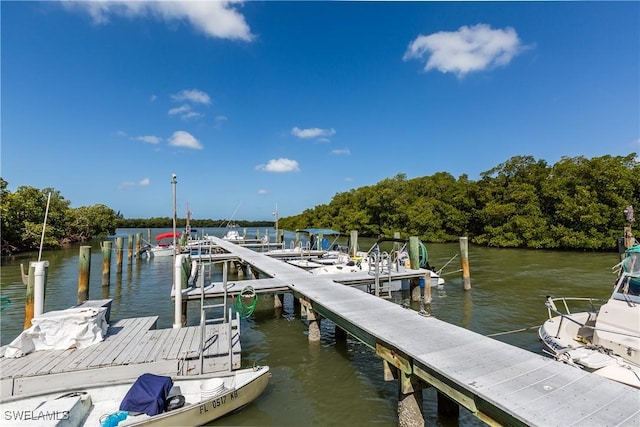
(150, 400)
(164, 247)
(604, 340)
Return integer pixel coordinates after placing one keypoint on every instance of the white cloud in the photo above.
(467, 50)
(343, 151)
(153, 98)
(219, 19)
(131, 184)
(219, 120)
(185, 112)
(312, 132)
(182, 138)
(279, 166)
(262, 191)
(149, 139)
(192, 95)
(183, 109)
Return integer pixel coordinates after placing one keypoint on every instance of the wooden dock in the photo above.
(131, 347)
(499, 383)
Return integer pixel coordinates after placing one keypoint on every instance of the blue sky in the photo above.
(259, 104)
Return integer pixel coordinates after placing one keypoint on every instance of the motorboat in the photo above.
(604, 340)
(377, 261)
(232, 234)
(149, 400)
(164, 246)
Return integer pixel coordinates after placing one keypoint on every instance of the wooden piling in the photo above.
(138, 244)
(119, 246)
(84, 272)
(130, 248)
(414, 259)
(29, 299)
(353, 242)
(410, 411)
(314, 326)
(106, 263)
(464, 262)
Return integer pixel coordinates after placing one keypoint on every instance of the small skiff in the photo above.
(156, 401)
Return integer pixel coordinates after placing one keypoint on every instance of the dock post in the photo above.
(106, 263)
(297, 242)
(29, 299)
(119, 246)
(414, 259)
(84, 272)
(464, 262)
(36, 287)
(138, 244)
(314, 325)
(410, 411)
(130, 247)
(39, 286)
(178, 319)
(353, 242)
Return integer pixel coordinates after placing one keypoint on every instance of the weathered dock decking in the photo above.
(497, 382)
(131, 347)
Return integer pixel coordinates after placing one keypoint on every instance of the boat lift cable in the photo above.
(245, 310)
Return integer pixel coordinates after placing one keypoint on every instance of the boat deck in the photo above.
(131, 347)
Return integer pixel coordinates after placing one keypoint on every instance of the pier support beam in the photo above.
(119, 246)
(314, 320)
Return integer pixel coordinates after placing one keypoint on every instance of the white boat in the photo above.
(164, 247)
(604, 340)
(232, 234)
(375, 261)
(178, 401)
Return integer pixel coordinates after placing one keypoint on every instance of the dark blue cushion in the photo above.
(147, 395)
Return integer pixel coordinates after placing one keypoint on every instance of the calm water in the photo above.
(332, 383)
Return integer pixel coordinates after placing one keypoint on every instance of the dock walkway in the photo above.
(497, 382)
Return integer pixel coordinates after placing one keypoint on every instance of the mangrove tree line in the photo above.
(577, 203)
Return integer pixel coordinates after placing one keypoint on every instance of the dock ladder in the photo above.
(226, 319)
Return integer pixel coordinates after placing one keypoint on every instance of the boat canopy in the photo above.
(324, 231)
(167, 235)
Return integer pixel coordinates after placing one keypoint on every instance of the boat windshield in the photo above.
(628, 288)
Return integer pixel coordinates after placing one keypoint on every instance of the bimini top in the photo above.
(324, 231)
(167, 235)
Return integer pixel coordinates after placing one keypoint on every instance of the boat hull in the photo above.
(88, 406)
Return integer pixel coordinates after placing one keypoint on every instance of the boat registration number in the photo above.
(216, 403)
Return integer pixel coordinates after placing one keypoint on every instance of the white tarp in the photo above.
(78, 327)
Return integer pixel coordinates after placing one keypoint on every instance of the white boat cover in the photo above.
(78, 327)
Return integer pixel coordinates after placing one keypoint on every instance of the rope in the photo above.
(245, 311)
(515, 330)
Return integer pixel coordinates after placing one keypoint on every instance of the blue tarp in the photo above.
(147, 395)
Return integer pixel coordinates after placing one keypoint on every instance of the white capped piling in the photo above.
(464, 263)
(39, 286)
(178, 319)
